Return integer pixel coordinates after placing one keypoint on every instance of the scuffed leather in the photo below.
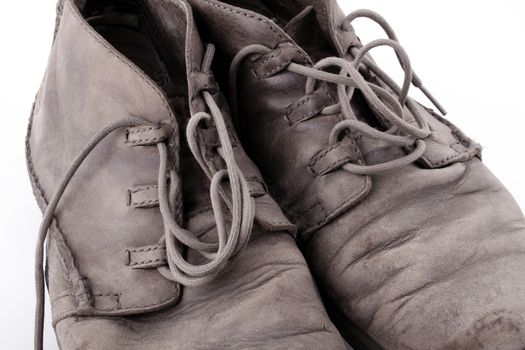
(87, 85)
(265, 299)
(433, 257)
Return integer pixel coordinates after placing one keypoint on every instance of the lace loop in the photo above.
(374, 16)
(239, 202)
(404, 60)
(389, 31)
(394, 164)
(384, 97)
(365, 129)
(350, 77)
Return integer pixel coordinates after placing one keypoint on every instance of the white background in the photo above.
(471, 55)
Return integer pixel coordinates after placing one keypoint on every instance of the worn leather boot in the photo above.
(414, 243)
(156, 241)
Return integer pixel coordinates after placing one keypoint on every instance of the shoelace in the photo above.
(241, 205)
(239, 202)
(386, 99)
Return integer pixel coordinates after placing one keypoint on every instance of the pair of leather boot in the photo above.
(176, 217)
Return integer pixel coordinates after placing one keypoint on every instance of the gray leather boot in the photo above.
(413, 242)
(161, 233)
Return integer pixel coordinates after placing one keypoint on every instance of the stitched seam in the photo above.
(277, 69)
(272, 72)
(133, 308)
(60, 297)
(294, 108)
(131, 202)
(307, 116)
(322, 153)
(472, 148)
(31, 169)
(461, 140)
(258, 18)
(357, 151)
(136, 131)
(469, 153)
(332, 165)
(298, 52)
(41, 194)
(153, 139)
(68, 262)
(260, 183)
(151, 201)
(150, 249)
(254, 179)
(262, 61)
(59, 11)
(143, 188)
(450, 158)
(144, 305)
(147, 262)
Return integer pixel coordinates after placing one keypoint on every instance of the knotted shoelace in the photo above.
(386, 99)
(239, 202)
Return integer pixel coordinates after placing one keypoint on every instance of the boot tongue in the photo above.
(255, 6)
(235, 28)
(329, 17)
(296, 23)
(306, 31)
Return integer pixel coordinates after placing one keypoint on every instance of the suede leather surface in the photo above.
(101, 299)
(87, 85)
(265, 300)
(431, 260)
(431, 257)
